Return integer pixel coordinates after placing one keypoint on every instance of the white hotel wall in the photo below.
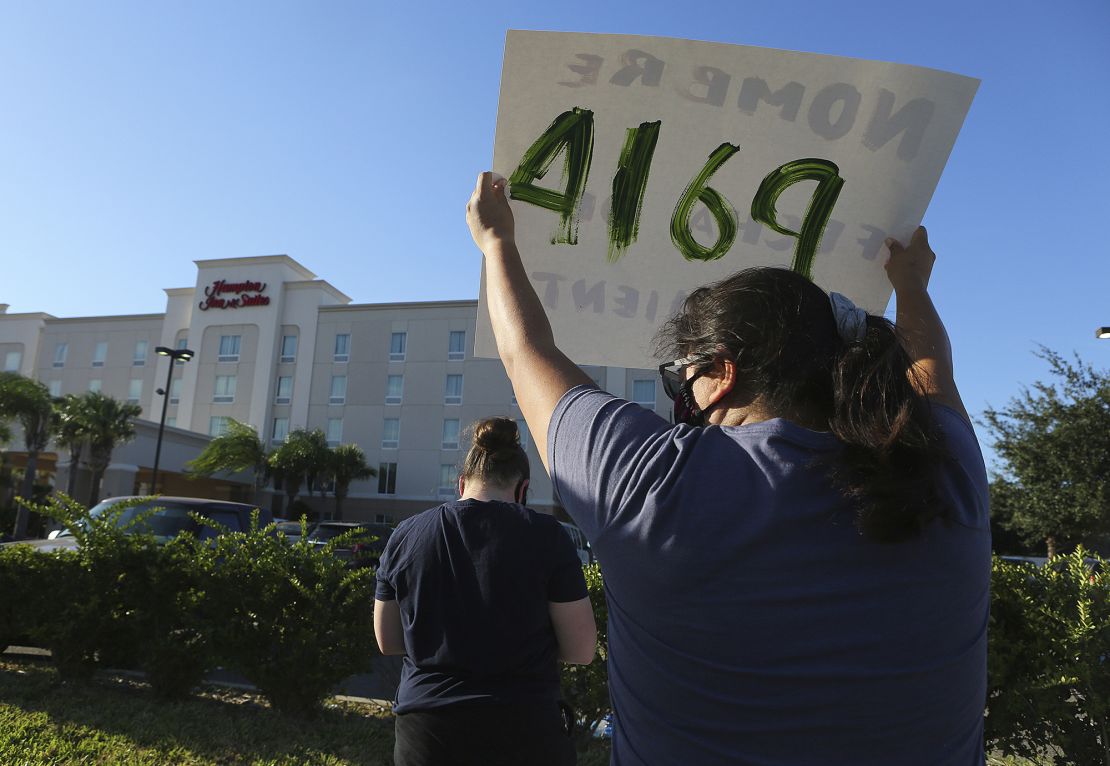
(313, 311)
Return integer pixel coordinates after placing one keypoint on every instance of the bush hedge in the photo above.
(1049, 661)
(292, 620)
(296, 623)
(586, 687)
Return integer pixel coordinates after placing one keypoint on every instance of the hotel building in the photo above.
(279, 349)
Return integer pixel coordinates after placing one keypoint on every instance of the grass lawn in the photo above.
(47, 722)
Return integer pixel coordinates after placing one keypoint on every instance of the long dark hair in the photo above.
(496, 456)
(779, 329)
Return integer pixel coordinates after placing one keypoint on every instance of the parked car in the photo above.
(581, 544)
(292, 529)
(1057, 564)
(171, 517)
(365, 550)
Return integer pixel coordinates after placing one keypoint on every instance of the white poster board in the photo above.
(643, 167)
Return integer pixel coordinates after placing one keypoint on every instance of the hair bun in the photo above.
(495, 434)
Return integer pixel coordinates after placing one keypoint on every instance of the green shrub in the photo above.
(1049, 661)
(22, 578)
(290, 617)
(170, 617)
(586, 687)
(122, 600)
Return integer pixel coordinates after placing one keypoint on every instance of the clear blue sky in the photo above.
(136, 137)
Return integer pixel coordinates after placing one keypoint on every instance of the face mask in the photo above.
(681, 391)
(686, 408)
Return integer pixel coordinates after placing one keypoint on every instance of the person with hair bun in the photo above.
(797, 568)
(483, 597)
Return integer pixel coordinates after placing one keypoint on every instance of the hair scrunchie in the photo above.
(851, 320)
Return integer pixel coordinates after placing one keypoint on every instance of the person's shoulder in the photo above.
(418, 521)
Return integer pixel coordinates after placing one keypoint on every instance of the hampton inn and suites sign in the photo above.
(222, 294)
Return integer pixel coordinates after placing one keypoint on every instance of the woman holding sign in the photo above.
(798, 568)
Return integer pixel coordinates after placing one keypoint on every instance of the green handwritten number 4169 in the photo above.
(572, 133)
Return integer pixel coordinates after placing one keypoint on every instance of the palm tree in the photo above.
(29, 402)
(71, 432)
(302, 457)
(348, 463)
(239, 449)
(109, 423)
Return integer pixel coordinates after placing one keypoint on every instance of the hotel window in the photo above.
(456, 345)
(281, 430)
(397, 347)
(338, 389)
(134, 390)
(342, 348)
(335, 431)
(394, 387)
(182, 343)
(391, 433)
(55, 388)
(448, 480)
(288, 348)
(284, 393)
(217, 425)
(138, 359)
(522, 429)
(171, 422)
(387, 478)
(96, 385)
(229, 348)
(12, 360)
(453, 395)
(383, 518)
(60, 354)
(100, 353)
(175, 391)
(225, 389)
(450, 434)
(643, 393)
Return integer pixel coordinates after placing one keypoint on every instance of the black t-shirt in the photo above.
(473, 580)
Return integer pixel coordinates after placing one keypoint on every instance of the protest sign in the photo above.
(643, 167)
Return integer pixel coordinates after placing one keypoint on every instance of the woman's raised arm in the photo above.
(539, 371)
(918, 322)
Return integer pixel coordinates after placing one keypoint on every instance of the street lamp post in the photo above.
(174, 354)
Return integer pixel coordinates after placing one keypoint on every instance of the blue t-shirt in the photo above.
(750, 624)
(473, 580)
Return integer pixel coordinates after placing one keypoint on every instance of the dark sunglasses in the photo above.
(673, 375)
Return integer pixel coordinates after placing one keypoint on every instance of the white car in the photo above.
(581, 544)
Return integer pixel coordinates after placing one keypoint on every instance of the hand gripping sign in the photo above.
(643, 167)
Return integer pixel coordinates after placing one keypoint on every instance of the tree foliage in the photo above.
(302, 458)
(239, 449)
(1055, 440)
(109, 423)
(29, 402)
(71, 431)
(347, 464)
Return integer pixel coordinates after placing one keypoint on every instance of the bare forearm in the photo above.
(926, 342)
(519, 323)
(539, 371)
(923, 333)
